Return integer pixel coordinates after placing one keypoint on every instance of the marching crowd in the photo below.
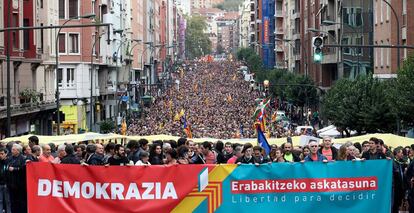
(14, 156)
(216, 100)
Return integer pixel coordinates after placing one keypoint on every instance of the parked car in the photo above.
(300, 129)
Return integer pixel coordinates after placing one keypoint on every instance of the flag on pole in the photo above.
(262, 141)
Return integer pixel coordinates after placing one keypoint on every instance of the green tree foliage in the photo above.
(360, 105)
(297, 89)
(107, 126)
(197, 42)
(253, 60)
(402, 92)
(229, 5)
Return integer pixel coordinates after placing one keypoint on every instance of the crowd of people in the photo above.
(15, 155)
(216, 100)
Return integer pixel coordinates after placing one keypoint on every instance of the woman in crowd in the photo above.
(156, 156)
(171, 157)
(279, 156)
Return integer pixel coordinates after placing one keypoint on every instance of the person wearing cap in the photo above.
(247, 157)
(314, 155)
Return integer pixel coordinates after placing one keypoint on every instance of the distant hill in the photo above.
(229, 5)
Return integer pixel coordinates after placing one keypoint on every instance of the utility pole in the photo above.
(8, 43)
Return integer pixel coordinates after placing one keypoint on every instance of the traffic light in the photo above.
(317, 43)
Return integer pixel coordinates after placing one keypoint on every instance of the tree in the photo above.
(402, 93)
(107, 126)
(253, 60)
(197, 42)
(360, 105)
(229, 5)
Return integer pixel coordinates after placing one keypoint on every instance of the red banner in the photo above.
(75, 188)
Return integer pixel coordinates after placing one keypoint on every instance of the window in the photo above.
(376, 14)
(70, 77)
(41, 38)
(296, 51)
(26, 35)
(62, 9)
(346, 16)
(388, 57)
(73, 8)
(381, 18)
(93, 8)
(73, 43)
(404, 10)
(15, 34)
(388, 12)
(358, 17)
(62, 43)
(60, 77)
(347, 50)
(358, 41)
(41, 3)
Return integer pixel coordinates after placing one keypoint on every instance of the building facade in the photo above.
(385, 28)
(31, 93)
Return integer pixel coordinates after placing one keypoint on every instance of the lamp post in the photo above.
(149, 43)
(57, 68)
(97, 38)
(8, 43)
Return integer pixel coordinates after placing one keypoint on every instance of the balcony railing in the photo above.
(21, 109)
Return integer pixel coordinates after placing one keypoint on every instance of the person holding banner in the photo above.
(330, 152)
(314, 155)
(4, 191)
(398, 184)
(288, 154)
(247, 157)
(119, 157)
(16, 180)
(258, 154)
(47, 154)
(97, 158)
(374, 153)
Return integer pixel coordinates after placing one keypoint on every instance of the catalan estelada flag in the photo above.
(186, 126)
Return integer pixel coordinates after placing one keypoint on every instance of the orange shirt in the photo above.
(43, 158)
(327, 153)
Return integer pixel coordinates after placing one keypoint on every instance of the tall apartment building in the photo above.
(280, 38)
(385, 33)
(244, 23)
(228, 32)
(268, 33)
(31, 83)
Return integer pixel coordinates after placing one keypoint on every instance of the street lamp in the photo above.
(92, 67)
(57, 68)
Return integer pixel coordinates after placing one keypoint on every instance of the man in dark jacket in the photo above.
(398, 183)
(374, 153)
(134, 146)
(70, 157)
(97, 158)
(4, 191)
(16, 180)
(327, 150)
